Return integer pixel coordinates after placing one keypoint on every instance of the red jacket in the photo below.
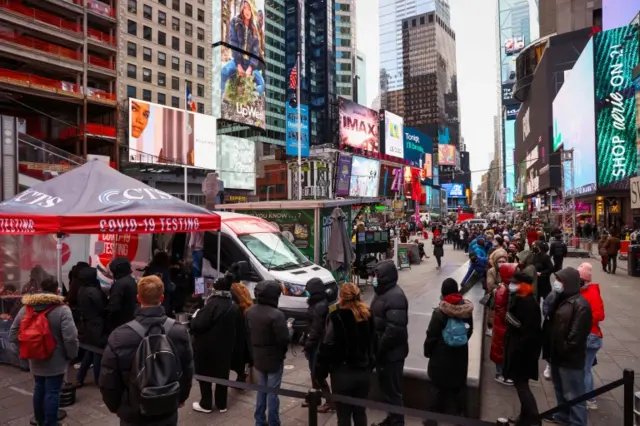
(500, 307)
(591, 293)
(532, 236)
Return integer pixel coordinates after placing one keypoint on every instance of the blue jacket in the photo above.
(250, 44)
(480, 266)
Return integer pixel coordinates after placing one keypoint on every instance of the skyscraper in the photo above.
(576, 14)
(345, 40)
(361, 78)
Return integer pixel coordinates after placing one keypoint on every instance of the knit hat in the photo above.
(449, 286)
(585, 272)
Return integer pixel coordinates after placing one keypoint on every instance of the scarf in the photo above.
(453, 298)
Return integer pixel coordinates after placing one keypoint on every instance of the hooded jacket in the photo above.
(390, 313)
(62, 328)
(268, 329)
(122, 296)
(317, 311)
(92, 307)
(591, 293)
(447, 365)
(493, 277)
(570, 323)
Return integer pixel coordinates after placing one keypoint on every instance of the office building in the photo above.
(563, 16)
(361, 78)
(345, 41)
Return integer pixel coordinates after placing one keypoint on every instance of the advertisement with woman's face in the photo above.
(364, 177)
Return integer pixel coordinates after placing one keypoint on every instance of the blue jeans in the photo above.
(270, 400)
(594, 342)
(569, 384)
(230, 69)
(46, 399)
(88, 359)
(196, 267)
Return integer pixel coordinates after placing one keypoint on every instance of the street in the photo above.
(422, 285)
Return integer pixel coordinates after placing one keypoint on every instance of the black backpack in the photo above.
(156, 371)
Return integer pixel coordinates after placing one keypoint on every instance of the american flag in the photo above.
(293, 77)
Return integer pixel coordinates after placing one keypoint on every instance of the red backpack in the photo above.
(35, 338)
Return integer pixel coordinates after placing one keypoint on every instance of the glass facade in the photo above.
(345, 41)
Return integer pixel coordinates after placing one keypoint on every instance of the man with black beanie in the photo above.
(122, 296)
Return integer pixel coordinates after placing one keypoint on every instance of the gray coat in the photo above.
(62, 327)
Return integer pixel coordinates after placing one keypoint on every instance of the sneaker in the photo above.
(591, 405)
(547, 372)
(554, 420)
(489, 332)
(197, 407)
(499, 378)
(76, 366)
(508, 382)
(223, 410)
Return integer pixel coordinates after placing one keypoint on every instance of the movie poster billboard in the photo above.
(237, 162)
(343, 175)
(163, 135)
(446, 155)
(358, 127)
(292, 130)
(364, 177)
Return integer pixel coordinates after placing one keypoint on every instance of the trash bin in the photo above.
(633, 261)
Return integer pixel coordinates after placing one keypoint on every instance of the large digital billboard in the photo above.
(242, 26)
(616, 54)
(454, 190)
(160, 134)
(364, 177)
(343, 175)
(416, 145)
(446, 155)
(390, 180)
(427, 167)
(237, 162)
(618, 13)
(292, 130)
(509, 148)
(393, 135)
(358, 126)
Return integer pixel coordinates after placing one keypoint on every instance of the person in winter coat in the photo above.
(74, 286)
(448, 364)
(558, 251)
(613, 247)
(523, 342)
(214, 329)
(120, 353)
(500, 307)
(603, 252)
(241, 352)
(159, 266)
(591, 292)
(348, 353)
(48, 374)
(532, 236)
(269, 334)
(438, 250)
(390, 313)
(477, 265)
(497, 258)
(317, 312)
(92, 306)
(544, 269)
(571, 322)
(526, 264)
(122, 295)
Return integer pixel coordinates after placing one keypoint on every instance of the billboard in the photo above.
(416, 145)
(507, 93)
(242, 27)
(446, 155)
(618, 13)
(393, 135)
(427, 167)
(509, 147)
(413, 188)
(237, 162)
(513, 46)
(390, 180)
(455, 190)
(615, 54)
(436, 175)
(358, 126)
(292, 130)
(364, 177)
(343, 175)
(511, 111)
(165, 135)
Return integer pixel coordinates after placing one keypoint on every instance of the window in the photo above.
(175, 63)
(200, 52)
(188, 67)
(163, 2)
(188, 29)
(146, 95)
(200, 15)
(175, 83)
(132, 27)
(175, 102)
(175, 43)
(200, 34)
(147, 12)
(200, 71)
(131, 71)
(132, 49)
(175, 24)
(175, 5)
(162, 38)
(188, 85)
(162, 98)
(146, 75)
(162, 18)
(188, 48)
(200, 108)
(162, 79)
(131, 91)
(188, 10)
(132, 6)
(162, 59)
(200, 90)
(146, 54)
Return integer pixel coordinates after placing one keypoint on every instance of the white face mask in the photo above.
(513, 288)
(558, 287)
(374, 282)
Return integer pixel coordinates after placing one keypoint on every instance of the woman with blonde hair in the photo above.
(241, 353)
(348, 353)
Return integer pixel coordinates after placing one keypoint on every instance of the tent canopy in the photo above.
(94, 198)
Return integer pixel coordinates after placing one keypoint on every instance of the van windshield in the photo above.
(274, 251)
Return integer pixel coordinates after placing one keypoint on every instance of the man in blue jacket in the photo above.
(478, 265)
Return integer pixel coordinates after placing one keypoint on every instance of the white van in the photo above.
(271, 256)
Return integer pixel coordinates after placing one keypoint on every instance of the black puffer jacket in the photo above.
(570, 323)
(268, 329)
(390, 313)
(316, 314)
(122, 296)
(117, 361)
(92, 308)
(558, 248)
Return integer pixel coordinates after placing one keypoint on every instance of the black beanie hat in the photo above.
(449, 286)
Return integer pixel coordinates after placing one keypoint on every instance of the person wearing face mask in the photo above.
(570, 325)
(500, 308)
(523, 341)
(497, 258)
